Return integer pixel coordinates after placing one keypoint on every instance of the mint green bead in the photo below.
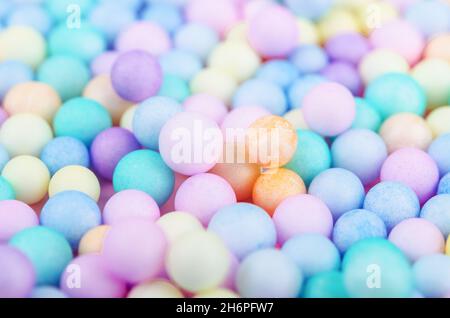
(84, 43)
(67, 75)
(6, 190)
(311, 157)
(326, 285)
(81, 118)
(366, 116)
(174, 87)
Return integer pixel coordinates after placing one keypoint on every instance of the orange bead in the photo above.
(92, 241)
(273, 186)
(439, 47)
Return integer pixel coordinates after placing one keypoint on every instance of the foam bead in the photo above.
(4, 157)
(438, 150)
(439, 120)
(155, 289)
(215, 82)
(306, 9)
(309, 59)
(92, 240)
(13, 73)
(444, 185)
(345, 74)
(279, 72)
(308, 33)
(196, 38)
(15, 216)
(338, 21)
(177, 224)
(166, 15)
(208, 105)
(47, 292)
(126, 121)
(301, 87)
(326, 285)
(417, 12)
(432, 275)
(174, 87)
(181, 63)
(438, 47)
(337, 47)
(204, 12)
(31, 15)
(380, 62)
(58, 8)
(436, 211)
(296, 118)
(6, 190)
(103, 63)
(75, 178)
(16, 273)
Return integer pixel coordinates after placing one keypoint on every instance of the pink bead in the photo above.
(145, 36)
(203, 194)
(169, 206)
(14, 217)
(413, 167)
(207, 105)
(103, 63)
(273, 31)
(130, 204)
(87, 277)
(417, 238)
(329, 109)
(402, 5)
(302, 214)
(134, 250)
(401, 37)
(242, 117)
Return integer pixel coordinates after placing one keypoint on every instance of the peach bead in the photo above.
(439, 47)
(92, 241)
(100, 89)
(32, 97)
(273, 186)
(406, 130)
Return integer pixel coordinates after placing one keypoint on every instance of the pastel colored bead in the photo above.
(30, 15)
(204, 12)
(189, 265)
(16, 273)
(94, 279)
(312, 253)
(24, 44)
(324, 119)
(13, 73)
(58, 8)
(406, 130)
(326, 285)
(379, 200)
(25, 134)
(417, 238)
(436, 211)
(417, 12)
(340, 189)
(177, 224)
(181, 63)
(309, 59)
(47, 292)
(215, 82)
(394, 93)
(302, 214)
(432, 275)
(168, 16)
(6, 190)
(356, 225)
(207, 105)
(338, 21)
(366, 260)
(144, 170)
(61, 152)
(308, 10)
(146, 80)
(414, 168)
(4, 157)
(285, 279)
(182, 144)
(301, 87)
(103, 63)
(439, 120)
(174, 87)
(92, 240)
(3, 116)
(379, 62)
(241, 118)
(196, 38)
(360, 151)
(308, 33)
(270, 188)
(280, 72)
(337, 47)
(126, 121)
(425, 73)
(130, 204)
(15, 216)
(438, 47)
(444, 185)
(273, 31)
(438, 150)
(48, 251)
(233, 220)
(155, 289)
(29, 178)
(100, 18)
(447, 249)
(75, 178)
(345, 74)
(134, 250)
(296, 118)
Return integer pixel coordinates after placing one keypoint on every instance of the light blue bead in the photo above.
(308, 9)
(268, 273)
(437, 211)
(339, 189)
(197, 39)
(64, 151)
(439, 150)
(5, 9)
(366, 116)
(244, 228)
(394, 93)
(59, 8)
(48, 251)
(4, 157)
(375, 268)
(174, 87)
(309, 58)
(360, 151)
(261, 93)
(131, 4)
(444, 185)
(357, 225)
(432, 275)
(430, 17)
(111, 18)
(13, 73)
(67, 75)
(326, 285)
(300, 87)
(393, 202)
(6, 190)
(150, 117)
(178, 3)
(180, 63)
(166, 15)
(47, 292)
(282, 73)
(146, 171)
(81, 118)
(312, 253)
(311, 157)
(33, 16)
(71, 213)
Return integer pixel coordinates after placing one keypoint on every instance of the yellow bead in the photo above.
(76, 178)
(336, 22)
(238, 32)
(307, 32)
(177, 224)
(447, 248)
(29, 178)
(126, 121)
(155, 289)
(439, 121)
(296, 118)
(25, 134)
(374, 14)
(217, 293)
(92, 241)
(381, 61)
(214, 82)
(24, 44)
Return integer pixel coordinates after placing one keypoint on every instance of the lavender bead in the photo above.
(17, 275)
(346, 74)
(347, 47)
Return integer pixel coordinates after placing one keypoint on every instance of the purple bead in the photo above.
(109, 147)
(136, 76)
(347, 47)
(17, 276)
(103, 63)
(345, 74)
